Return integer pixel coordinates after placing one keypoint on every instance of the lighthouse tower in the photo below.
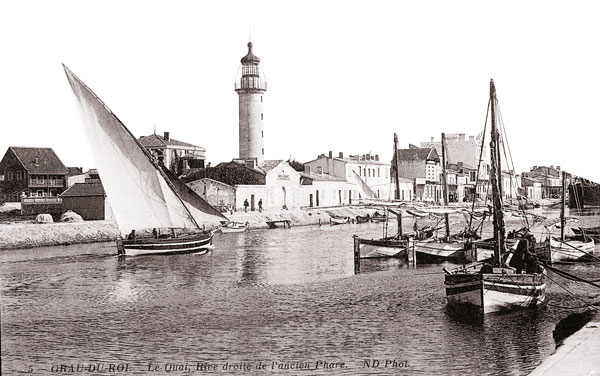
(250, 89)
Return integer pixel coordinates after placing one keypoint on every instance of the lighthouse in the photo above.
(251, 88)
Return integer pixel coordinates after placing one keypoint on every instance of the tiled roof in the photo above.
(47, 161)
(320, 177)
(156, 141)
(417, 154)
(84, 190)
(268, 165)
(75, 171)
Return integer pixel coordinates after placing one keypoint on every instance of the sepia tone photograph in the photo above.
(299, 188)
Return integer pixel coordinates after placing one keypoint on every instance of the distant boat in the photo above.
(160, 214)
(363, 218)
(230, 226)
(377, 217)
(338, 220)
(497, 286)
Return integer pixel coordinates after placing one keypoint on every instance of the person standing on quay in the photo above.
(260, 205)
(246, 205)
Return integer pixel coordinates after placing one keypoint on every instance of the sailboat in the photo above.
(569, 248)
(456, 247)
(388, 246)
(160, 214)
(496, 286)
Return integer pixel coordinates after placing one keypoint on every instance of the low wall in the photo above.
(28, 235)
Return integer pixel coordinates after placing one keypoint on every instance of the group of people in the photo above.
(246, 204)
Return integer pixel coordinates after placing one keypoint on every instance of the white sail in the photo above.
(139, 195)
(363, 188)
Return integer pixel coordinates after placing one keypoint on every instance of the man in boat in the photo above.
(521, 255)
(416, 229)
(154, 233)
(131, 235)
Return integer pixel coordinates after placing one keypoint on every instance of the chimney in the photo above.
(166, 136)
(341, 155)
(330, 154)
(558, 167)
(471, 138)
(377, 157)
(431, 139)
(368, 157)
(461, 136)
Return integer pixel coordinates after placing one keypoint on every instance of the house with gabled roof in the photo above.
(31, 172)
(177, 156)
(423, 166)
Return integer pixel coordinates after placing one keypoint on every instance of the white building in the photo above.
(369, 175)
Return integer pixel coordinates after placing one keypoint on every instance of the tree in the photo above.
(298, 166)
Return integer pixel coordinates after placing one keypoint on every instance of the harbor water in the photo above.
(284, 301)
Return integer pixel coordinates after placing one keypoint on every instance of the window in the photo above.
(378, 172)
(9, 176)
(261, 99)
(263, 151)
(262, 134)
(19, 175)
(359, 171)
(261, 116)
(319, 169)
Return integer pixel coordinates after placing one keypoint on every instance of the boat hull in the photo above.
(439, 251)
(192, 243)
(339, 220)
(571, 250)
(495, 292)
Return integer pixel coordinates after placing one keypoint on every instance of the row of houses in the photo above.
(37, 178)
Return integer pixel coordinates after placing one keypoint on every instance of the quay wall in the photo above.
(26, 235)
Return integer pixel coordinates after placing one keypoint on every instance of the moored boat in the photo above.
(143, 198)
(230, 226)
(498, 285)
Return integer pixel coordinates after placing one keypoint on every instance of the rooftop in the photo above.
(39, 160)
(84, 190)
(418, 154)
(156, 141)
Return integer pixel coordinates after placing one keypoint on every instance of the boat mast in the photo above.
(496, 178)
(562, 208)
(445, 182)
(395, 169)
(397, 183)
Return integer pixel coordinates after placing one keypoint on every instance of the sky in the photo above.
(343, 76)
